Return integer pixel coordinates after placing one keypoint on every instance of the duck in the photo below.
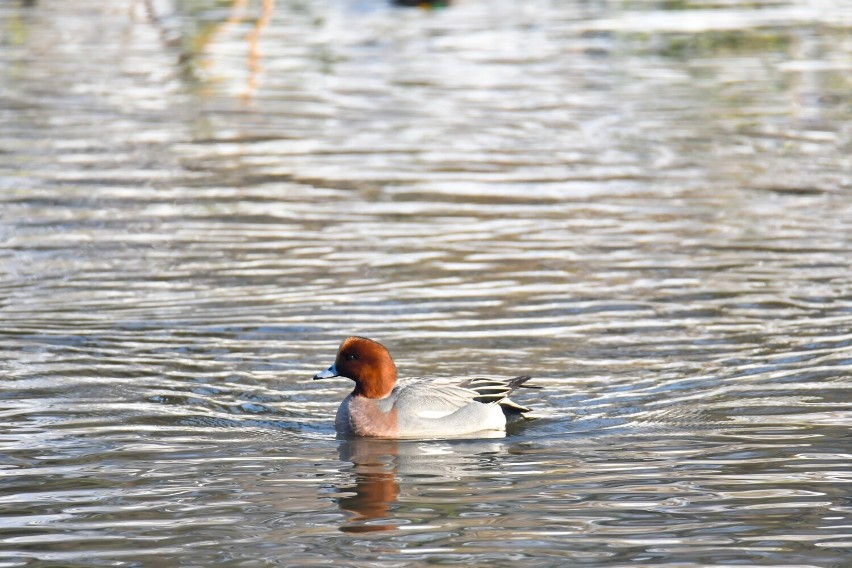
(383, 406)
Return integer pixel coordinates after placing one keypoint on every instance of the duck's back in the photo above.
(441, 408)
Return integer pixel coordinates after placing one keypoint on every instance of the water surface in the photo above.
(644, 205)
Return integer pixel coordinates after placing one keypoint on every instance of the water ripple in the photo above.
(644, 207)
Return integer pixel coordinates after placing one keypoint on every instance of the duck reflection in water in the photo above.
(376, 487)
(379, 464)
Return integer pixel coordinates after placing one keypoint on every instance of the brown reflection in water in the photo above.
(254, 67)
(379, 465)
(376, 487)
(423, 4)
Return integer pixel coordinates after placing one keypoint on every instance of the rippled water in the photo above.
(644, 205)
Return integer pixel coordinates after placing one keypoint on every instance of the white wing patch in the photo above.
(433, 414)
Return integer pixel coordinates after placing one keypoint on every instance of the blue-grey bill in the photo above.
(327, 374)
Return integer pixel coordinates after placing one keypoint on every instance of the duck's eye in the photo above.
(351, 356)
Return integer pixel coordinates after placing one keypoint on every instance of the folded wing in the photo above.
(441, 397)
